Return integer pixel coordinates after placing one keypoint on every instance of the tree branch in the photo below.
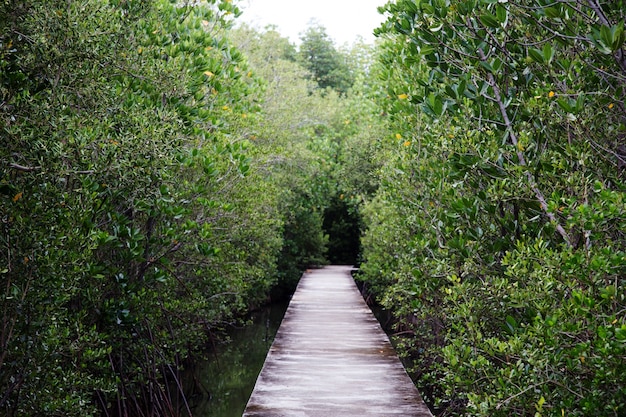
(23, 168)
(597, 9)
(520, 155)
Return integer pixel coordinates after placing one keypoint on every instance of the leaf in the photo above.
(606, 35)
(487, 66)
(502, 14)
(580, 103)
(460, 90)
(17, 197)
(620, 333)
(536, 55)
(548, 53)
(619, 36)
(540, 403)
(436, 28)
(489, 20)
(451, 92)
(552, 12)
(603, 39)
(465, 8)
(435, 104)
(511, 324)
(496, 64)
(565, 104)
(426, 50)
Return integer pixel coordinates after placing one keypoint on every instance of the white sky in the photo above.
(344, 20)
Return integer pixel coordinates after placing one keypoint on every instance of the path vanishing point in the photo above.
(330, 358)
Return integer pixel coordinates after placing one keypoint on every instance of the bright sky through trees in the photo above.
(343, 19)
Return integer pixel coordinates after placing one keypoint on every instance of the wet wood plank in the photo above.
(331, 358)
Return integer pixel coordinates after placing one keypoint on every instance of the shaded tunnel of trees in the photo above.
(164, 170)
(343, 227)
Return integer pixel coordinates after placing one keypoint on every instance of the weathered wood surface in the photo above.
(331, 358)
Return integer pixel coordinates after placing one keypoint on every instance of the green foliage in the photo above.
(328, 67)
(308, 127)
(495, 235)
(135, 214)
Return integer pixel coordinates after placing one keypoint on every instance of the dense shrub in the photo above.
(496, 234)
(134, 218)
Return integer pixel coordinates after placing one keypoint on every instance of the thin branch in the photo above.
(28, 38)
(23, 168)
(618, 55)
(520, 155)
(503, 402)
(599, 12)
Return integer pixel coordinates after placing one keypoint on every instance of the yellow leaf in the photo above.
(403, 96)
(520, 146)
(611, 105)
(398, 136)
(17, 197)
(208, 73)
(551, 94)
(407, 143)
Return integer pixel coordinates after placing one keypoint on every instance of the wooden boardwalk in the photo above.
(331, 358)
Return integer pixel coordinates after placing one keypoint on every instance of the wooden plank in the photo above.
(331, 358)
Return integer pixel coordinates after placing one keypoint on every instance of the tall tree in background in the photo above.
(328, 67)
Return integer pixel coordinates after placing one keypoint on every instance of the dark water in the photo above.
(230, 375)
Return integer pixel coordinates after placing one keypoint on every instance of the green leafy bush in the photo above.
(134, 217)
(495, 235)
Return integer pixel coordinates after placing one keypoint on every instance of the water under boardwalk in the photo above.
(331, 358)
